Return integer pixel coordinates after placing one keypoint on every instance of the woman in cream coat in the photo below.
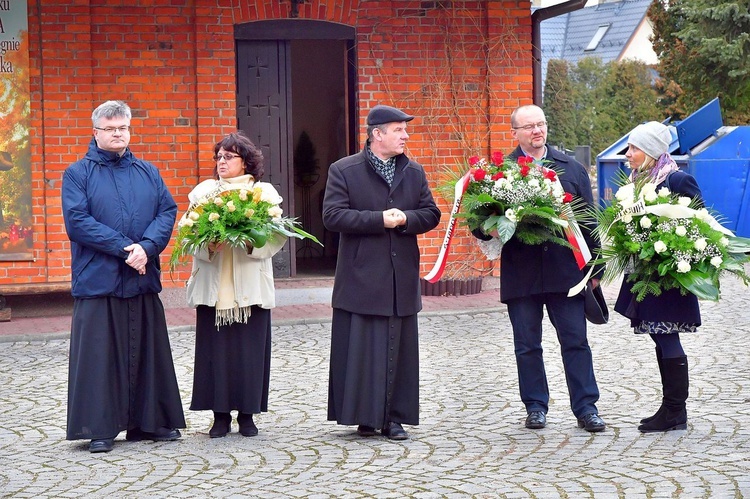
(233, 292)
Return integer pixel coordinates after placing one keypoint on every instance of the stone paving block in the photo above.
(471, 441)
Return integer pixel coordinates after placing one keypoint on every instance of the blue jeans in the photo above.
(567, 316)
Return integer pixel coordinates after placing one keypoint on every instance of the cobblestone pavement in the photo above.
(471, 442)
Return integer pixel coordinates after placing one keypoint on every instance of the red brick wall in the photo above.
(460, 69)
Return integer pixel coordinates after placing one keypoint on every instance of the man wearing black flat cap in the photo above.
(379, 201)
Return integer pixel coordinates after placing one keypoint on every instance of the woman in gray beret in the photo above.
(665, 316)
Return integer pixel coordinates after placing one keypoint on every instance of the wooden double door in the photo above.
(268, 106)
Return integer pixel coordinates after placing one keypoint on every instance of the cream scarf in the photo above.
(227, 309)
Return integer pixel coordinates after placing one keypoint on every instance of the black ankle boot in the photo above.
(247, 426)
(660, 362)
(673, 416)
(222, 425)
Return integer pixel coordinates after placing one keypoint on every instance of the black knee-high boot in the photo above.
(661, 373)
(675, 385)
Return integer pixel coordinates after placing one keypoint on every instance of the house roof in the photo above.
(568, 36)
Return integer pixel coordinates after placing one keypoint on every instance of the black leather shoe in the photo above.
(102, 445)
(394, 431)
(160, 435)
(222, 425)
(592, 422)
(536, 420)
(247, 426)
(366, 431)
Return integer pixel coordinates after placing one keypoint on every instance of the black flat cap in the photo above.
(386, 114)
(595, 306)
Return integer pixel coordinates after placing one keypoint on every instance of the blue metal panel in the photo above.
(722, 183)
(722, 170)
(699, 126)
(606, 175)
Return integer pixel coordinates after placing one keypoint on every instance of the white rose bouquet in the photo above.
(664, 241)
(237, 217)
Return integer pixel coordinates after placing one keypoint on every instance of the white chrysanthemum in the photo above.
(683, 201)
(243, 194)
(716, 261)
(650, 196)
(186, 222)
(230, 206)
(511, 215)
(645, 222)
(683, 267)
(680, 230)
(700, 244)
(660, 247)
(275, 211)
(193, 215)
(664, 192)
(627, 218)
(212, 217)
(218, 201)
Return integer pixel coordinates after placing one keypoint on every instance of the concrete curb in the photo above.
(41, 337)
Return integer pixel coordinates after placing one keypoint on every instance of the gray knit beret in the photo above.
(653, 138)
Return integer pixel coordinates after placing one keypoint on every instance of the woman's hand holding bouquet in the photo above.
(236, 217)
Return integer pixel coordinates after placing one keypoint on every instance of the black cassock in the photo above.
(367, 350)
(121, 375)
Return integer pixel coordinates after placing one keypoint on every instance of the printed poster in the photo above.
(16, 235)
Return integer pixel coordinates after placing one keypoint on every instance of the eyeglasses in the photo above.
(532, 126)
(113, 129)
(225, 157)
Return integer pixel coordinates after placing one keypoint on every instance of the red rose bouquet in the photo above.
(518, 198)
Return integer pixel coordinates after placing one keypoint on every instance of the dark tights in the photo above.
(668, 345)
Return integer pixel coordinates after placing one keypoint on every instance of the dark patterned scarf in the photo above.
(386, 169)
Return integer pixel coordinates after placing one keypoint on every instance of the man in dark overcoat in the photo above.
(119, 217)
(534, 277)
(379, 201)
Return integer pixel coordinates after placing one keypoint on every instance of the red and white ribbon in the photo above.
(581, 250)
(439, 267)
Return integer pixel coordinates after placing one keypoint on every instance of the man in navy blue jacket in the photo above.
(535, 277)
(379, 201)
(119, 217)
